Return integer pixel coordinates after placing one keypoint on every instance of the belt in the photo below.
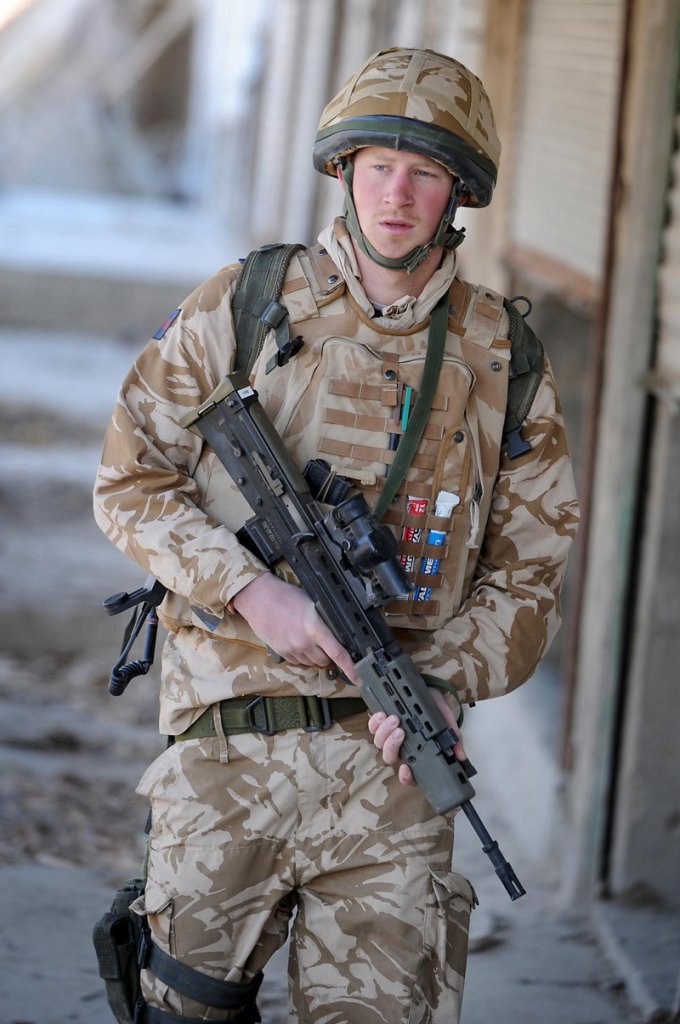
(268, 715)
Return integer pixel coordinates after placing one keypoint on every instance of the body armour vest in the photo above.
(346, 397)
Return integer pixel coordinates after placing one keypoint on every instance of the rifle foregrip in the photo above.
(394, 685)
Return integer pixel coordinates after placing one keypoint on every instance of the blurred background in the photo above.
(146, 143)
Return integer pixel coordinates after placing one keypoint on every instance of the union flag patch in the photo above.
(167, 323)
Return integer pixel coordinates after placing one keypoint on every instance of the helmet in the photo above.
(417, 100)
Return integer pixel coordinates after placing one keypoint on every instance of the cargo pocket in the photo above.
(157, 906)
(438, 989)
(157, 771)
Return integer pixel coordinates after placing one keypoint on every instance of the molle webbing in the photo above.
(374, 393)
(379, 424)
(368, 453)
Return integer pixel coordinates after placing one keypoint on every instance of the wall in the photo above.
(645, 825)
(610, 788)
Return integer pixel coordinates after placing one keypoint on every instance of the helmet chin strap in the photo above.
(445, 235)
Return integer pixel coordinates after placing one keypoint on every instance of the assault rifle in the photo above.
(346, 562)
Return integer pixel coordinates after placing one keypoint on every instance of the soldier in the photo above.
(309, 829)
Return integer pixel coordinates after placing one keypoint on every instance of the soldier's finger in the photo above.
(375, 721)
(406, 775)
(385, 731)
(390, 750)
(334, 652)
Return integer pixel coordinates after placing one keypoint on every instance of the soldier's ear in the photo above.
(463, 194)
(340, 165)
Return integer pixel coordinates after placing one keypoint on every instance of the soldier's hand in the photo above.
(285, 619)
(388, 736)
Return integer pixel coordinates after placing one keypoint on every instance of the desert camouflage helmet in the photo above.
(416, 100)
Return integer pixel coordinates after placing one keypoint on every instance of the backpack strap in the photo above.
(527, 362)
(256, 308)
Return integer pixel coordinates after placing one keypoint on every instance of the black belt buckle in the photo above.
(250, 710)
(326, 719)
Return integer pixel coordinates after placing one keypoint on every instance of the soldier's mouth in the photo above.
(396, 227)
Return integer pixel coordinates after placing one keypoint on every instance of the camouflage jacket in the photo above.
(487, 570)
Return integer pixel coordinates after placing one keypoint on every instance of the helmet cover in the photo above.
(416, 100)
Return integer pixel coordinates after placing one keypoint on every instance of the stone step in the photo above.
(57, 392)
(103, 264)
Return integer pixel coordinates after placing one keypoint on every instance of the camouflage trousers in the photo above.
(255, 835)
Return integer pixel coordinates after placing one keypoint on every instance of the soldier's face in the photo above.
(400, 197)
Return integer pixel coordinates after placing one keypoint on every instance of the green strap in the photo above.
(408, 444)
(255, 305)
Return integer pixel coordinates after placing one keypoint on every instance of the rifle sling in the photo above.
(436, 342)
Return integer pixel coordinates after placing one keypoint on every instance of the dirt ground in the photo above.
(74, 757)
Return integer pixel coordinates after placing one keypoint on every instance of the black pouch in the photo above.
(117, 938)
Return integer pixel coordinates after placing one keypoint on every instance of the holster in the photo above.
(117, 937)
(124, 948)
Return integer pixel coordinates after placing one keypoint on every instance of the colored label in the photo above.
(429, 566)
(422, 593)
(437, 538)
(416, 506)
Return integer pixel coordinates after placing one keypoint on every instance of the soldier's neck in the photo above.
(384, 286)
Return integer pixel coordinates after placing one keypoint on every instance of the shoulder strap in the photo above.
(256, 308)
(526, 370)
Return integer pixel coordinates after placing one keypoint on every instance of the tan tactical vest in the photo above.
(343, 398)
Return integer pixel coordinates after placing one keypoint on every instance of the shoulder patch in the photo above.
(167, 323)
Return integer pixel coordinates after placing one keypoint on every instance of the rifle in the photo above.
(346, 562)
